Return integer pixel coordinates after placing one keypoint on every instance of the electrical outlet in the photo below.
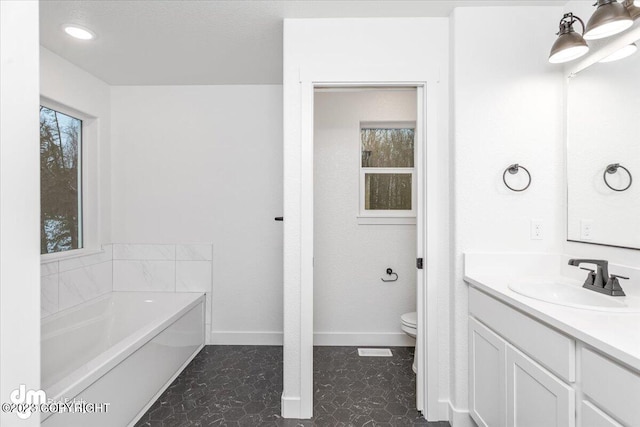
(537, 230)
(586, 229)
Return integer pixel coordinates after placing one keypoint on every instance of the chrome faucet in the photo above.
(599, 280)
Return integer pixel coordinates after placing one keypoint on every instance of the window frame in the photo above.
(88, 221)
(384, 216)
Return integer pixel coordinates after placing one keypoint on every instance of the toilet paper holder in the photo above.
(390, 272)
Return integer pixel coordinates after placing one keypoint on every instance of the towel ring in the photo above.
(513, 169)
(613, 168)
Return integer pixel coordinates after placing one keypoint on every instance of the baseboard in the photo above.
(290, 407)
(460, 418)
(443, 410)
(370, 339)
(245, 338)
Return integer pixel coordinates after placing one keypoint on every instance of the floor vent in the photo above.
(374, 352)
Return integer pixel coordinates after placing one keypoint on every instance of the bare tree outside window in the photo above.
(386, 154)
(60, 181)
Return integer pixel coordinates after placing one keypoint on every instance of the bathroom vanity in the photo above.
(536, 363)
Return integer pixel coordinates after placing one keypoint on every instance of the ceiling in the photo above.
(162, 42)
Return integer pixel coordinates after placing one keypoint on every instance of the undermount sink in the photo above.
(569, 292)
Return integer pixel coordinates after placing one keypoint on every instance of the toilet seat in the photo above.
(408, 323)
(409, 319)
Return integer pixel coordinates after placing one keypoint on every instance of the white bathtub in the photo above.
(123, 349)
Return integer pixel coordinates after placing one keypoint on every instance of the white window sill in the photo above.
(76, 253)
(386, 220)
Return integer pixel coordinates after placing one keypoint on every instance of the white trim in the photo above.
(363, 171)
(372, 339)
(306, 250)
(386, 220)
(90, 191)
(74, 253)
(290, 407)
(245, 338)
(459, 417)
(420, 198)
(434, 257)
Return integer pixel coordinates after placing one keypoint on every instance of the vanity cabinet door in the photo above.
(592, 416)
(487, 376)
(535, 397)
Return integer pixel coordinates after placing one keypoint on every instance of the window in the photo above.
(60, 181)
(387, 172)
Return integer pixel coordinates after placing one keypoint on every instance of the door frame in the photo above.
(426, 225)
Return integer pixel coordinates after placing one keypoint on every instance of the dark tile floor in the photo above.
(242, 385)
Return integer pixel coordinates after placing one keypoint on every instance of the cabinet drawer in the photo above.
(612, 387)
(548, 347)
(594, 417)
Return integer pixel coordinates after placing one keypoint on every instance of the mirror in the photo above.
(603, 130)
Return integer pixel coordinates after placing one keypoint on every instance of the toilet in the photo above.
(409, 323)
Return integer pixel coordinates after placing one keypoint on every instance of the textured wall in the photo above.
(507, 108)
(204, 164)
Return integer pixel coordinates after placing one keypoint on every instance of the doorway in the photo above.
(298, 388)
(364, 215)
(365, 244)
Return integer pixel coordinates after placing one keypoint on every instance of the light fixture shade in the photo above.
(627, 50)
(609, 18)
(567, 47)
(634, 11)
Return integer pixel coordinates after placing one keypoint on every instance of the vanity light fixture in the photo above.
(569, 45)
(609, 18)
(79, 32)
(627, 50)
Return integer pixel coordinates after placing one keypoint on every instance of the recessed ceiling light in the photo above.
(79, 32)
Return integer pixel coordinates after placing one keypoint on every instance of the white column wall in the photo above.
(374, 50)
(19, 204)
(507, 108)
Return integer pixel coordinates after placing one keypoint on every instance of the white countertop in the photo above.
(614, 334)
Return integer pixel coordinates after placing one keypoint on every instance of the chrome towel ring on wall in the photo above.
(613, 168)
(514, 169)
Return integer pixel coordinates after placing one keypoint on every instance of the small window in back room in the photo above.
(387, 173)
(60, 182)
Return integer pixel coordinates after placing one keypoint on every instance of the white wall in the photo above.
(349, 50)
(352, 306)
(507, 108)
(19, 204)
(193, 164)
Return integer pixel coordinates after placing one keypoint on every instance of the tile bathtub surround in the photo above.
(68, 282)
(242, 386)
(127, 267)
(165, 268)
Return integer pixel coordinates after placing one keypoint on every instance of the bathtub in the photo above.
(123, 348)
